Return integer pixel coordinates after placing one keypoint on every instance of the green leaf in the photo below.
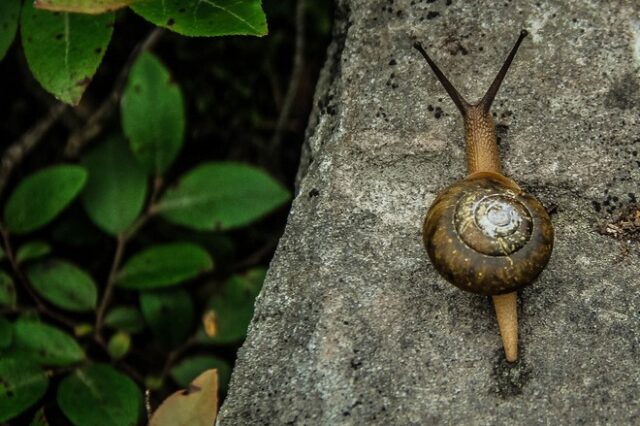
(9, 13)
(32, 250)
(99, 395)
(64, 284)
(40, 197)
(82, 6)
(217, 196)
(117, 186)
(119, 345)
(125, 318)
(6, 333)
(153, 117)
(169, 314)
(22, 384)
(45, 344)
(7, 290)
(190, 368)
(164, 265)
(83, 329)
(206, 17)
(233, 307)
(64, 50)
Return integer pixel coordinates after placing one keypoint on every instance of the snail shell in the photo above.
(486, 236)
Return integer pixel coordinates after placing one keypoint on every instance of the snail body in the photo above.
(484, 234)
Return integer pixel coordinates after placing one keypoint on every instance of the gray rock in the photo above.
(354, 326)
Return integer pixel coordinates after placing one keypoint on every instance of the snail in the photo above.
(484, 234)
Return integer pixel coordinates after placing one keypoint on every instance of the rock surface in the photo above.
(354, 326)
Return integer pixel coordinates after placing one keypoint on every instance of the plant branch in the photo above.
(257, 256)
(14, 155)
(174, 355)
(123, 239)
(96, 122)
(111, 280)
(294, 80)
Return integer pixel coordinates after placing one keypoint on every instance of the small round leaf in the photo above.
(117, 186)
(63, 50)
(119, 345)
(32, 250)
(40, 197)
(153, 115)
(169, 314)
(22, 384)
(45, 344)
(164, 265)
(125, 318)
(99, 395)
(64, 284)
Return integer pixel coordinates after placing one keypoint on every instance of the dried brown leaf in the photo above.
(195, 406)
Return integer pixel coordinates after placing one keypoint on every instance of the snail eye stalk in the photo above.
(487, 99)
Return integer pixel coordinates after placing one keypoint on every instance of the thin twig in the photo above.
(106, 297)
(294, 80)
(131, 372)
(257, 256)
(14, 155)
(105, 111)
(123, 239)
(40, 305)
(174, 355)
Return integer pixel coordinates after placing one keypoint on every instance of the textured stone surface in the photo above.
(354, 326)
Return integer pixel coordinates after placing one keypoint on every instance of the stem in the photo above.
(257, 256)
(111, 280)
(174, 355)
(123, 239)
(294, 80)
(14, 155)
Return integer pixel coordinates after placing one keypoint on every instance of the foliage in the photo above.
(39, 198)
(98, 395)
(140, 251)
(64, 284)
(153, 115)
(22, 384)
(64, 49)
(80, 328)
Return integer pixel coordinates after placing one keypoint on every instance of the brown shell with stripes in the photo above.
(486, 236)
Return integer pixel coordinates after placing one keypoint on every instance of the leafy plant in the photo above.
(62, 328)
(65, 48)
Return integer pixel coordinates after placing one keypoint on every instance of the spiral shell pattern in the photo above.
(486, 236)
